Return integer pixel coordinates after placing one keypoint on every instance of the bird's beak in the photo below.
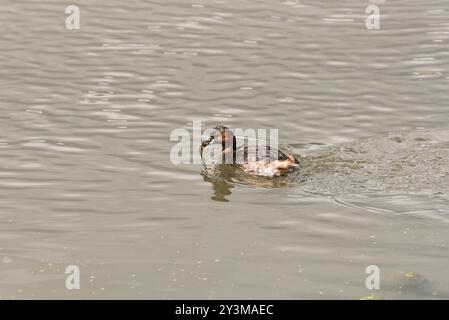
(207, 142)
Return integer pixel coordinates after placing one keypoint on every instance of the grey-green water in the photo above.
(85, 171)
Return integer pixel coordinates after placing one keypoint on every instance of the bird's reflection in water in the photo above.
(224, 178)
(221, 179)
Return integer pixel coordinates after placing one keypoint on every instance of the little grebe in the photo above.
(254, 159)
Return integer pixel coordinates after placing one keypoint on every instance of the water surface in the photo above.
(85, 175)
